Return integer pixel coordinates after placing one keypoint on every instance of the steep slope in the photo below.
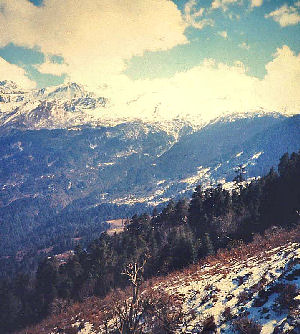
(60, 107)
(253, 288)
(212, 154)
(46, 174)
(63, 182)
(216, 142)
(79, 161)
(105, 164)
(281, 137)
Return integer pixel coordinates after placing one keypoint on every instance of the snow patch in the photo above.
(197, 177)
(105, 164)
(256, 155)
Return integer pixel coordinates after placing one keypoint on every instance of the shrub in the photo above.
(58, 306)
(162, 312)
(243, 297)
(209, 325)
(247, 326)
(208, 287)
(262, 298)
(227, 313)
(214, 298)
(286, 298)
(70, 330)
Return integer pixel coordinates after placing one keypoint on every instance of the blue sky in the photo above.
(260, 35)
(121, 42)
(263, 36)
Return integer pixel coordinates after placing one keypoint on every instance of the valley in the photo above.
(60, 166)
(149, 167)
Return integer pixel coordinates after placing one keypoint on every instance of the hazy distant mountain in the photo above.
(54, 144)
(58, 156)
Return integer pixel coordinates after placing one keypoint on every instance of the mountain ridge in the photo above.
(70, 104)
(56, 166)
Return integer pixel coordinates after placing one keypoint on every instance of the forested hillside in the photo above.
(181, 234)
(59, 185)
(149, 167)
(251, 288)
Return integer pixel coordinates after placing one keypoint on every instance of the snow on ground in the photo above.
(201, 172)
(105, 164)
(247, 288)
(248, 282)
(256, 155)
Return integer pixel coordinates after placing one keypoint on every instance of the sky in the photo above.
(181, 56)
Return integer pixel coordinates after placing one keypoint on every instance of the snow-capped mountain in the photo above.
(62, 154)
(7, 86)
(72, 104)
(65, 91)
(10, 92)
(59, 107)
(171, 156)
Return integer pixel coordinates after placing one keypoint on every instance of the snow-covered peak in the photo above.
(52, 107)
(232, 117)
(66, 91)
(72, 104)
(9, 87)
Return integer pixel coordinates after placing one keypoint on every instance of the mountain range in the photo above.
(63, 154)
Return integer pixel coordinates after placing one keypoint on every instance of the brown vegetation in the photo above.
(162, 310)
(247, 326)
(116, 226)
(286, 298)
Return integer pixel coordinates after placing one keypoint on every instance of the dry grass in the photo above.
(97, 311)
(115, 226)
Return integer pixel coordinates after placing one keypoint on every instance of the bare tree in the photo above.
(148, 311)
(130, 311)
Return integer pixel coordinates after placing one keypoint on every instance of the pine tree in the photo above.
(240, 174)
(208, 244)
(283, 164)
(196, 208)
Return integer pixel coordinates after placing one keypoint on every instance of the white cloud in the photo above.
(95, 37)
(224, 4)
(203, 92)
(49, 67)
(281, 85)
(256, 3)
(210, 89)
(286, 15)
(14, 73)
(223, 34)
(194, 16)
(244, 46)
